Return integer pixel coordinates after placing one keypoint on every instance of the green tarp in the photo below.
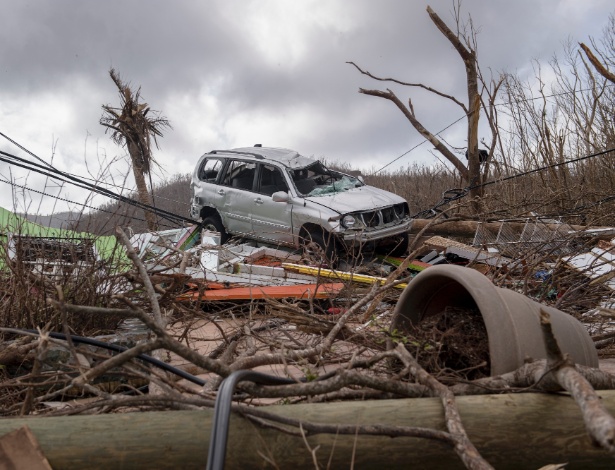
(11, 223)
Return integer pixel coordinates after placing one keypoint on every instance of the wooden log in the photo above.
(467, 228)
(510, 431)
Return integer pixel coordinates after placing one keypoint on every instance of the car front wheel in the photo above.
(396, 247)
(214, 224)
(319, 246)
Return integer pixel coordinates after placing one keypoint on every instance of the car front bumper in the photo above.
(366, 236)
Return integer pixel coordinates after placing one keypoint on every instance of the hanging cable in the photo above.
(455, 194)
(76, 181)
(222, 409)
(419, 144)
(113, 347)
(82, 204)
(216, 454)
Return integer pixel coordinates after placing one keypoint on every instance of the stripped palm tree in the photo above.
(132, 127)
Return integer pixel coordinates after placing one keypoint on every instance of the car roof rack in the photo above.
(255, 155)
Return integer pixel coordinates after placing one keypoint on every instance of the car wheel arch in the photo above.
(308, 228)
(328, 240)
(207, 211)
(210, 216)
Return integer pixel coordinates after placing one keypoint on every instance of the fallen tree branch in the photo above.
(598, 421)
(166, 341)
(463, 446)
(149, 287)
(320, 349)
(265, 418)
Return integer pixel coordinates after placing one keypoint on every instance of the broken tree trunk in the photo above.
(510, 431)
(467, 228)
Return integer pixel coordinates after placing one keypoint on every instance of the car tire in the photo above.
(319, 246)
(214, 224)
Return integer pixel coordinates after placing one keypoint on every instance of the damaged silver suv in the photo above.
(278, 196)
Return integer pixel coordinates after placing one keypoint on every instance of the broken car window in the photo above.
(343, 184)
(210, 169)
(317, 180)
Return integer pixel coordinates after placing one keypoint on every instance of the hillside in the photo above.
(430, 191)
(57, 220)
(172, 196)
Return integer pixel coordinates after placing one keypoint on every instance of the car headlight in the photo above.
(348, 221)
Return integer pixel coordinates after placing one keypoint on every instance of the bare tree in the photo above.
(555, 123)
(540, 136)
(132, 127)
(465, 45)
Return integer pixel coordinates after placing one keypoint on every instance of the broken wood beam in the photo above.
(511, 431)
(467, 228)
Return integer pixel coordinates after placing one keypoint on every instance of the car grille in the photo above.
(388, 215)
(384, 216)
(371, 219)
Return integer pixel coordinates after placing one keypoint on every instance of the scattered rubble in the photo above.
(247, 306)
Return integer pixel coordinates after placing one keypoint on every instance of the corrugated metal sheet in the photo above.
(597, 264)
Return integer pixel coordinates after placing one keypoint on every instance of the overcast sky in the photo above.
(234, 73)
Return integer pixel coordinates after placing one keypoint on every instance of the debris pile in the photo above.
(195, 312)
(453, 342)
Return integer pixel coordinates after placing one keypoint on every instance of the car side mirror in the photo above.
(280, 196)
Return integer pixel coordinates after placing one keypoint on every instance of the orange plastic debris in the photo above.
(268, 261)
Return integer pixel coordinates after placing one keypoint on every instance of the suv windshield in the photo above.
(317, 180)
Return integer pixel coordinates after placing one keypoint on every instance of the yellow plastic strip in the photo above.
(339, 275)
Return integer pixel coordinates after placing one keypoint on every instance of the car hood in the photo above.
(364, 198)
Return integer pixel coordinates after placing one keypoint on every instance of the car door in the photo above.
(237, 197)
(271, 221)
(205, 187)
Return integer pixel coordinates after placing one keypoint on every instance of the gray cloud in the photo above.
(234, 73)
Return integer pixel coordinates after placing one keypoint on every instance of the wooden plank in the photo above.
(513, 431)
(277, 272)
(245, 279)
(441, 244)
(479, 256)
(303, 291)
(283, 255)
